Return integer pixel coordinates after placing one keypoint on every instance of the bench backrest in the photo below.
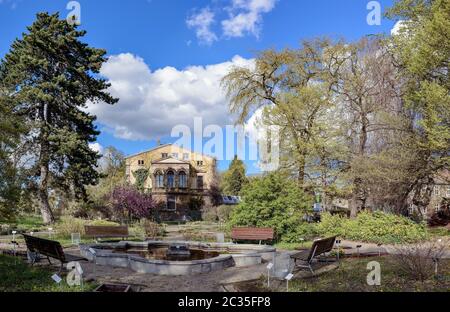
(248, 233)
(45, 247)
(106, 231)
(320, 247)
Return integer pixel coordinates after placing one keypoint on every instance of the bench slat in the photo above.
(246, 233)
(318, 248)
(46, 247)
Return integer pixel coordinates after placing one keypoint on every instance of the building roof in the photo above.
(161, 146)
(147, 151)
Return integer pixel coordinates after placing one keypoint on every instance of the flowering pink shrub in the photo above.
(128, 201)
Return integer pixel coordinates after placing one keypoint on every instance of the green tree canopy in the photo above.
(272, 201)
(234, 178)
(422, 53)
(10, 130)
(287, 84)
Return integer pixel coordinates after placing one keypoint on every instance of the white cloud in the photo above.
(257, 130)
(245, 17)
(254, 125)
(397, 27)
(202, 22)
(96, 147)
(153, 102)
(238, 19)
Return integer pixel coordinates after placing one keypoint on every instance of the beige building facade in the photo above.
(440, 193)
(178, 179)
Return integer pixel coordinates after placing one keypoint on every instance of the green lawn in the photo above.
(439, 231)
(27, 223)
(293, 246)
(18, 276)
(352, 274)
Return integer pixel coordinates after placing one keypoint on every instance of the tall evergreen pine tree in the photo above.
(50, 75)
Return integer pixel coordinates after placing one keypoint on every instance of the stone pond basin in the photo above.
(219, 256)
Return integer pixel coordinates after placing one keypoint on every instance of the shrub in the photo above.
(68, 225)
(224, 212)
(271, 201)
(416, 261)
(152, 230)
(128, 201)
(301, 233)
(331, 225)
(194, 215)
(195, 236)
(209, 214)
(102, 223)
(5, 229)
(377, 227)
(136, 230)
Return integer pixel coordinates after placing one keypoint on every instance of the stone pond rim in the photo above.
(229, 255)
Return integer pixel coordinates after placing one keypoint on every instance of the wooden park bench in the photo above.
(252, 234)
(51, 249)
(106, 231)
(319, 247)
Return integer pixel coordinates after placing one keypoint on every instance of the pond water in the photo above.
(160, 253)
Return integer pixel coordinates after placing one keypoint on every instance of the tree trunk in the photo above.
(359, 198)
(46, 211)
(44, 160)
(359, 194)
(401, 207)
(301, 170)
(353, 207)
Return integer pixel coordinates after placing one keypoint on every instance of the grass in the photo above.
(352, 275)
(293, 246)
(439, 231)
(26, 223)
(18, 276)
(30, 223)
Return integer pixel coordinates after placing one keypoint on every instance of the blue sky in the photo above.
(179, 48)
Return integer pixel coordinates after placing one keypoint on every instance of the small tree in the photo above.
(234, 178)
(272, 201)
(128, 202)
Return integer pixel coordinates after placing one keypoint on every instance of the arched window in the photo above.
(159, 180)
(182, 179)
(170, 179)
